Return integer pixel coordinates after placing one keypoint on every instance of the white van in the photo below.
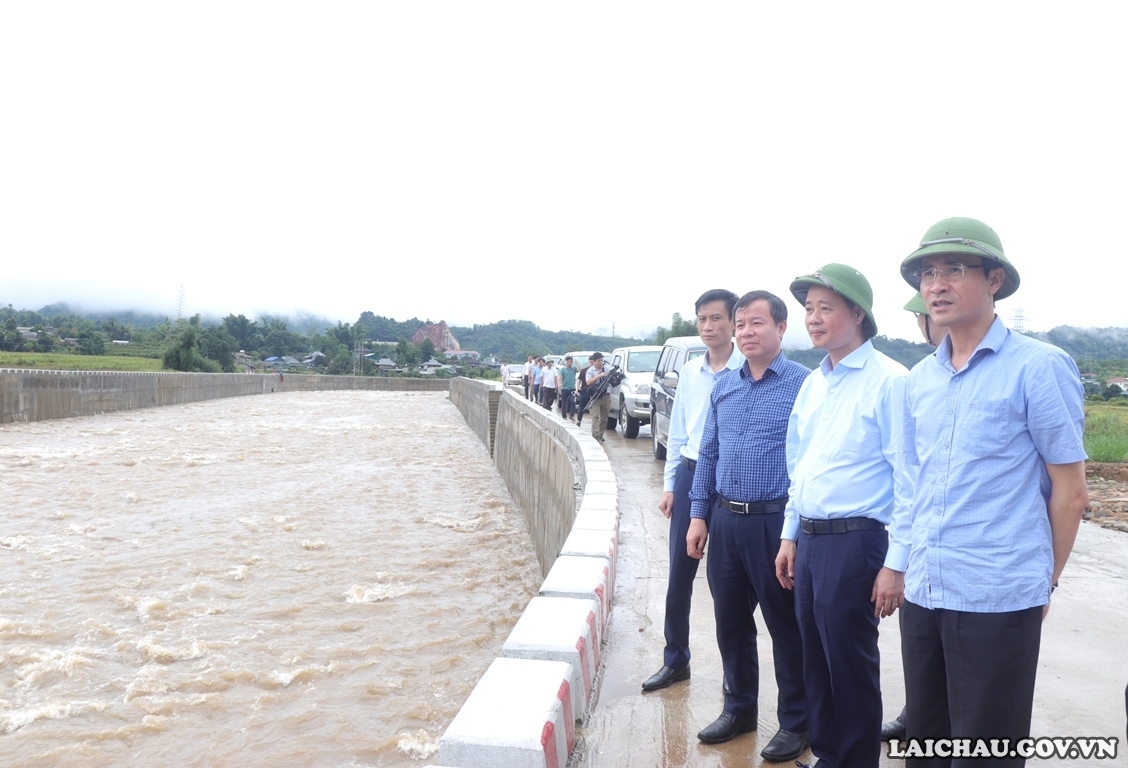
(630, 401)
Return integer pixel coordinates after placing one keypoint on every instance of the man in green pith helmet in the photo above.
(847, 477)
(993, 424)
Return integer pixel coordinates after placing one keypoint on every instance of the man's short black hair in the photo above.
(717, 294)
(596, 356)
(775, 303)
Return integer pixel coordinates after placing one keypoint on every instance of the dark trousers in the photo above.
(568, 402)
(969, 675)
(741, 571)
(584, 395)
(548, 397)
(683, 569)
(525, 384)
(834, 575)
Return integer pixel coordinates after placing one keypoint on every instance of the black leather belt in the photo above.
(841, 525)
(772, 507)
(691, 463)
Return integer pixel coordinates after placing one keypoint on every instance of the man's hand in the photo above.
(785, 563)
(666, 503)
(695, 539)
(888, 592)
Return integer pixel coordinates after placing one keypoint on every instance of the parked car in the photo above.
(516, 374)
(675, 353)
(630, 401)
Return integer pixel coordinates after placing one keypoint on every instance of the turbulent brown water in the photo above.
(279, 580)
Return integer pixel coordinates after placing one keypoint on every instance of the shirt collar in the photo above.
(735, 360)
(856, 359)
(776, 367)
(993, 341)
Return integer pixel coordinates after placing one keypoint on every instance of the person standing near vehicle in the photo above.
(527, 378)
(538, 377)
(601, 405)
(566, 378)
(844, 459)
(584, 392)
(714, 310)
(548, 385)
(994, 425)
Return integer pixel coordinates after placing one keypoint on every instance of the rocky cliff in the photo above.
(439, 334)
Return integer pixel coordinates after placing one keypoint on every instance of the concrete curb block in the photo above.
(519, 715)
(588, 543)
(588, 519)
(560, 629)
(588, 578)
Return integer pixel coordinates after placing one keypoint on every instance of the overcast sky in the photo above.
(579, 165)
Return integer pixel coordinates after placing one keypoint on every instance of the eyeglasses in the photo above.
(953, 273)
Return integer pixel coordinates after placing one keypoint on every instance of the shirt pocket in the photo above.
(986, 430)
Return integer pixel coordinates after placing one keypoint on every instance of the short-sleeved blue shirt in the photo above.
(980, 537)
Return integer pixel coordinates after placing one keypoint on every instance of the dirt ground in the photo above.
(1108, 495)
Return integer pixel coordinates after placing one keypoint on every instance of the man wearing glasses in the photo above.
(993, 428)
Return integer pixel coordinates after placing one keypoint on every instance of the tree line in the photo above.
(211, 344)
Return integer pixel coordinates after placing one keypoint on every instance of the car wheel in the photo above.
(629, 423)
(612, 423)
(655, 443)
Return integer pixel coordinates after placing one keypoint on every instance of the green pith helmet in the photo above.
(843, 280)
(916, 304)
(967, 236)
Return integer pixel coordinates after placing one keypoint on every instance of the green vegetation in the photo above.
(64, 361)
(1106, 431)
(514, 340)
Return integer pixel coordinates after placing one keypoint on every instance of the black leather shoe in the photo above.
(894, 729)
(665, 677)
(726, 727)
(785, 745)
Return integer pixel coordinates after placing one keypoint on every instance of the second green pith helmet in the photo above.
(843, 280)
(961, 235)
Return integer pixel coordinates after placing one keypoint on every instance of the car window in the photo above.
(694, 354)
(643, 362)
(663, 362)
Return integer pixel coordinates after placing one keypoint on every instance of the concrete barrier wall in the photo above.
(521, 713)
(27, 395)
(540, 463)
(478, 401)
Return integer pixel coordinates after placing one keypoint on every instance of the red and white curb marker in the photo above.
(560, 629)
(519, 715)
(583, 577)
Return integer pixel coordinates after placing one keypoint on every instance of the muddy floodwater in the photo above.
(308, 579)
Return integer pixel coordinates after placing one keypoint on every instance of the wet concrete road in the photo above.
(1081, 679)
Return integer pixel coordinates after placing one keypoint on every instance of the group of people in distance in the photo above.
(834, 498)
(543, 382)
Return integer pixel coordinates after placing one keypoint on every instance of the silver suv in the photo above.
(677, 351)
(630, 401)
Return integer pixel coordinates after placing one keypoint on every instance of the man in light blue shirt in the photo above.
(994, 422)
(847, 476)
(714, 310)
